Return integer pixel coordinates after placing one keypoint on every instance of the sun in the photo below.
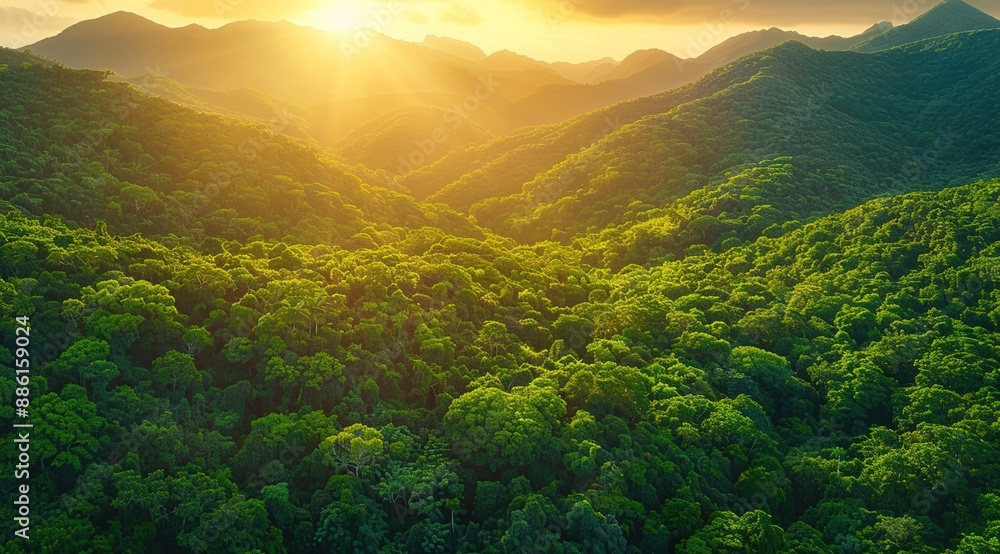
(341, 15)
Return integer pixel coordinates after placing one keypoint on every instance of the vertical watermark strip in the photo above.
(22, 429)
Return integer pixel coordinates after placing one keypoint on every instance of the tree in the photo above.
(237, 524)
(282, 438)
(727, 532)
(87, 358)
(354, 448)
(594, 533)
(123, 310)
(490, 427)
(195, 340)
(15, 255)
(138, 197)
(531, 528)
(494, 338)
(307, 372)
(349, 521)
(176, 368)
(774, 386)
(67, 427)
(206, 281)
(239, 350)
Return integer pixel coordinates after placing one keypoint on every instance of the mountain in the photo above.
(751, 42)
(242, 104)
(347, 91)
(316, 66)
(332, 92)
(950, 16)
(102, 151)
(331, 121)
(455, 47)
(638, 62)
(574, 73)
(759, 133)
(650, 72)
(330, 124)
(653, 71)
(505, 163)
(586, 72)
(507, 61)
(409, 137)
(441, 73)
(874, 30)
(554, 103)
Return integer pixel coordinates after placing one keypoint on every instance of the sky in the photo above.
(550, 30)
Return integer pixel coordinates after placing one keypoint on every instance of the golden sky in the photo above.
(551, 30)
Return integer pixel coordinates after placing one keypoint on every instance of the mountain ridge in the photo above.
(533, 92)
(950, 16)
(231, 56)
(798, 94)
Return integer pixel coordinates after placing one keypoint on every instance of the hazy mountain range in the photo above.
(327, 86)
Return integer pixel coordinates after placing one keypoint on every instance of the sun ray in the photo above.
(339, 15)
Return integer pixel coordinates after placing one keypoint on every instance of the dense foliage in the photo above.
(80, 147)
(907, 119)
(409, 137)
(303, 361)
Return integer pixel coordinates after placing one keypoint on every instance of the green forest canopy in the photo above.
(280, 355)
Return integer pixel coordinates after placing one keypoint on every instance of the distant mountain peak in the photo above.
(118, 24)
(120, 18)
(507, 60)
(948, 17)
(791, 45)
(638, 62)
(880, 27)
(951, 8)
(455, 47)
(953, 5)
(509, 54)
(122, 15)
(648, 57)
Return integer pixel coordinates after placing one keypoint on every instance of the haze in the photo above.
(551, 30)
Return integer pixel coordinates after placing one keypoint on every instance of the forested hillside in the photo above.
(86, 149)
(342, 79)
(821, 392)
(715, 320)
(320, 71)
(646, 73)
(846, 126)
(557, 102)
(409, 137)
(950, 16)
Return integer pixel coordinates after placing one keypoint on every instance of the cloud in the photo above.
(751, 12)
(20, 27)
(239, 9)
(464, 15)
